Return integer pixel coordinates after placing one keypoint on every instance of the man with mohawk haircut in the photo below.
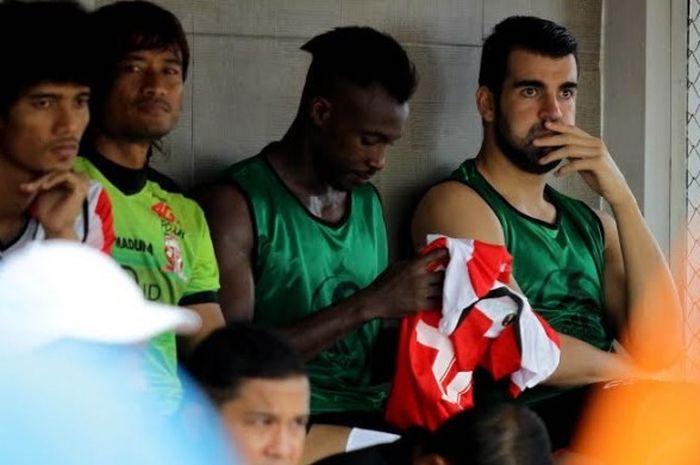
(299, 231)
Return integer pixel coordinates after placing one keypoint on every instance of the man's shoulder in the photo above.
(164, 182)
(242, 167)
(453, 194)
(457, 210)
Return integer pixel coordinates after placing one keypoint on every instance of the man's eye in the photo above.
(83, 101)
(42, 103)
(529, 91)
(369, 141)
(261, 421)
(172, 71)
(301, 422)
(568, 93)
(130, 68)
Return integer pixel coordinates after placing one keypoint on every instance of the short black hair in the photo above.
(528, 33)
(240, 351)
(498, 434)
(363, 56)
(123, 27)
(41, 42)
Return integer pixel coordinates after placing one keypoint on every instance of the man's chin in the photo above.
(150, 130)
(536, 168)
(62, 166)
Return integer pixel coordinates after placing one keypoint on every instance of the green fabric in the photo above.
(558, 267)
(303, 264)
(162, 241)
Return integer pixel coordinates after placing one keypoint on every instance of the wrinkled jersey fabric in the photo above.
(482, 323)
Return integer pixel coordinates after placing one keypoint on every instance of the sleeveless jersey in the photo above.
(559, 266)
(302, 264)
(163, 242)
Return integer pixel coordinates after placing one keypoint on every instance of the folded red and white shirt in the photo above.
(482, 323)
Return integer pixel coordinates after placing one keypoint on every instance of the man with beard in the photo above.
(162, 239)
(583, 270)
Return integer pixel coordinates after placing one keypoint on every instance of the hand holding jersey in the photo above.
(406, 287)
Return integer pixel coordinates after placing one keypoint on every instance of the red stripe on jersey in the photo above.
(103, 210)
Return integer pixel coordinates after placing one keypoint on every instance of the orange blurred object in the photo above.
(642, 423)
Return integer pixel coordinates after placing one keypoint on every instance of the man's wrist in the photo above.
(623, 202)
(367, 308)
(68, 234)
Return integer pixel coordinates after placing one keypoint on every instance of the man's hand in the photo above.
(57, 200)
(406, 287)
(589, 157)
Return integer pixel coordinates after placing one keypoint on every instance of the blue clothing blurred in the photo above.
(81, 403)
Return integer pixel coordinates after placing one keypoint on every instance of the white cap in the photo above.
(54, 289)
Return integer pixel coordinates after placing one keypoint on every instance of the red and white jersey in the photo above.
(483, 323)
(93, 226)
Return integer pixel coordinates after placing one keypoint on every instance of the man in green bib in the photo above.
(162, 238)
(585, 271)
(299, 231)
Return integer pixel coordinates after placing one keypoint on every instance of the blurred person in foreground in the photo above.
(73, 332)
(260, 386)
(500, 434)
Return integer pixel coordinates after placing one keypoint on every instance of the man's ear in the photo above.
(431, 459)
(320, 111)
(486, 104)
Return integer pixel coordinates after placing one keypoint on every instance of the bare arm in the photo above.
(457, 211)
(639, 289)
(403, 288)
(212, 319)
(231, 232)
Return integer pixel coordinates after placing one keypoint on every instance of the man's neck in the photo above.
(128, 154)
(524, 191)
(293, 160)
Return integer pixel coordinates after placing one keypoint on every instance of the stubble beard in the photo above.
(520, 151)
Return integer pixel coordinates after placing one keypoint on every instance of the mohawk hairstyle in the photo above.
(363, 56)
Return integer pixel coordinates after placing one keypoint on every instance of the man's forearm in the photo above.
(653, 333)
(326, 326)
(581, 364)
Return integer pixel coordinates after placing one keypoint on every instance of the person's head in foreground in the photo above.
(502, 434)
(261, 389)
(528, 76)
(73, 330)
(355, 101)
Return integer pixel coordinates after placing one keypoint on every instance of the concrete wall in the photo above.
(247, 74)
